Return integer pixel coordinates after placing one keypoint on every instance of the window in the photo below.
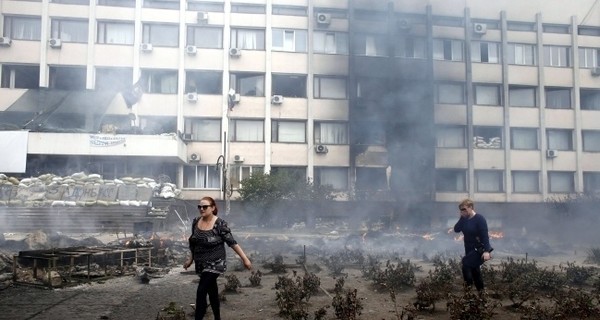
(559, 139)
(248, 84)
(203, 129)
(367, 132)
(20, 76)
(591, 140)
(289, 85)
(335, 13)
(289, 40)
(161, 4)
(485, 52)
(114, 79)
(451, 180)
(70, 30)
(556, 28)
(451, 137)
(487, 95)
(524, 138)
(247, 130)
(561, 182)
(161, 35)
(487, 137)
(330, 42)
(83, 2)
(368, 178)
(248, 8)
(450, 93)
(298, 173)
(521, 26)
(588, 31)
(522, 96)
(67, 78)
(558, 98)
(202, 37)
(411, 48)
(337, 178)
(158, 124)
(117, 3)
(331, 133)
(445, 49)
(159, 81)
(195, 5)
(489, 181)
(289, 11)
(371, 88)
(115, 32)
(288, 131)
(590, 99)
(526, 181)
(521, 54)
(204, 82)
(205, 177)
(238, 173)
(330, 87)
(248, 39)
(370, 45)
(555, 56)
(22, 28)
(588, 57)
(591, 182)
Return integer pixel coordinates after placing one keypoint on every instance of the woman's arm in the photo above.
(240, 252)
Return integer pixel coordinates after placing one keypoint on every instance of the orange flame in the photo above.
(496, 234)
(428, 236)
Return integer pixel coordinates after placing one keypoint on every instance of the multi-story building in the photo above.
(406, 99)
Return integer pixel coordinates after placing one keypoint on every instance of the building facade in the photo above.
(384, 100)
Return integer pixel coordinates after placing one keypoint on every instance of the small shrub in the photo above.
(255, 278)
(577, 275)
(232, 284)
(593, 256)
(347, 306)
(277, 266)
(311, 283)
(576, 303)
(294, 293)
(396, 276)
(470, 306)
(320, 314)
(339, 285)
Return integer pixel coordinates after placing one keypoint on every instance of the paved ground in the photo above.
(119, 298)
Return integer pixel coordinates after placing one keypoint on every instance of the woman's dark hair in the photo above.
(212, 204)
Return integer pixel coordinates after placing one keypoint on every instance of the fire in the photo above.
(459, 237)
(496, 234)
(428, 236)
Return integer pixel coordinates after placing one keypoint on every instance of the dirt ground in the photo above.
(126, 297)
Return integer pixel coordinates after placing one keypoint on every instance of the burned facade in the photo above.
(385, 100)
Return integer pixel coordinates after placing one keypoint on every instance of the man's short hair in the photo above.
(467, 203)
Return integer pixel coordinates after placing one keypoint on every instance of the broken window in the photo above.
(371, 178)
(204, 82)
(289, 85)
(67, 78)
(158, 125)
(248, 84)
(20, 76)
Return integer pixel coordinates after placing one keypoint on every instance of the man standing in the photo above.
(477, 243)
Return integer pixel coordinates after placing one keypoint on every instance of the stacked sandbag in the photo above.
(80, 189)
(483, 143)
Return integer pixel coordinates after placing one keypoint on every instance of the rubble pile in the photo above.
(80, 189)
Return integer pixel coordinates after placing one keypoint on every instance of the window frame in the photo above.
(527, 131)
(235, 130)
(553, 175)
(58, 34)
(525, 173)
(276, 125)
(554, 146)
(236, 42)
(497, 174)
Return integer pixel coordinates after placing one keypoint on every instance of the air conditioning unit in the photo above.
(403, 24)
(551, 154)
(235, 52)
(191, 50)
(202, 17)
(191, 96)
(55, 43)
(321, 149)
(146, 47)
(277, 99)
(596, 72)
(323, 19)
(186, 137)
(479, 28)
(238, 158)
(236, 98)
(5, 41)
(194, 157)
